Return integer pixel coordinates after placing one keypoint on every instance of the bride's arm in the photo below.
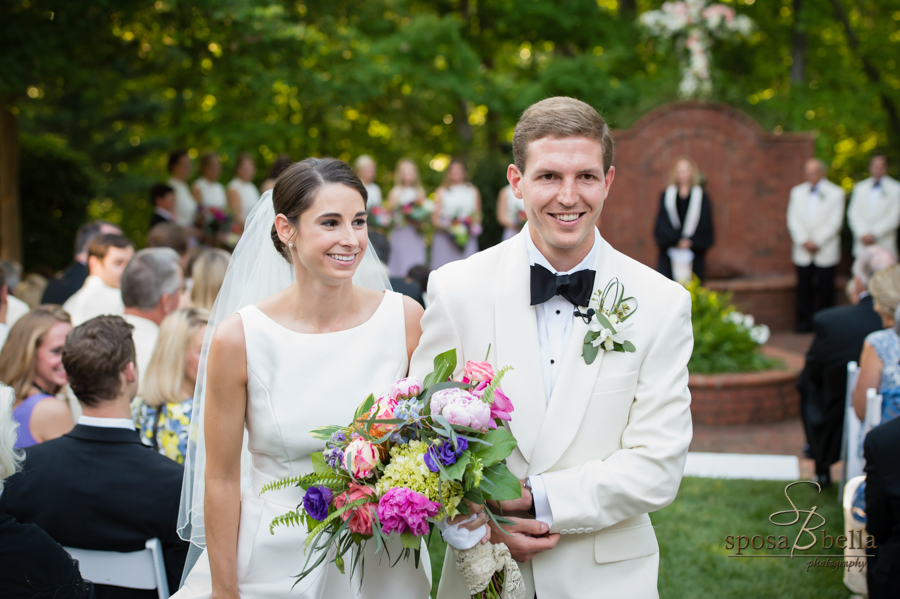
(226, 404)
(412, 313)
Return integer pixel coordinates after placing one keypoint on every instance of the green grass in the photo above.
(692, 531)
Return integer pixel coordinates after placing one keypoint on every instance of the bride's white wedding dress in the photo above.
(298, 382)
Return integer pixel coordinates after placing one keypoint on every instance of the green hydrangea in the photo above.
(407, 468)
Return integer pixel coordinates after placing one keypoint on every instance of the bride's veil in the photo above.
(255, 272)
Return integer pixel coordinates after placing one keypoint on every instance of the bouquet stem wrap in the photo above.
(479, 564)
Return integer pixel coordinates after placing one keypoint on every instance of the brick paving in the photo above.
(775, 438)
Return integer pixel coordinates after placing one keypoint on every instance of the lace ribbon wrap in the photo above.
(478, 565)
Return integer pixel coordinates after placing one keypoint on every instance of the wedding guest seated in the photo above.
(30, 363)
(170, 235)
(163, 416)
(839, 336)
(16, 308)
(66, 283)
(151, 289)
(33, 564)
(406, 286)
(107, 257)
(162, 198)
(207, 275)
(31, 289)
(879, 365)
(881, 448)
(99, 487)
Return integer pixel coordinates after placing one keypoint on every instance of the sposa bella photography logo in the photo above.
(811, 537)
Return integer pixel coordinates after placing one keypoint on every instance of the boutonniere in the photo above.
(609, 322)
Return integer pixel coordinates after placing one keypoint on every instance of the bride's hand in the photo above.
(480, 520)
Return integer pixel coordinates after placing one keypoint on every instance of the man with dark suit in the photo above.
(162, 198)
(881, 448)
(99, 487)
(405, 286)
(839, 336)
(66, 283)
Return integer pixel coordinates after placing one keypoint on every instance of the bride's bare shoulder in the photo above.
(229, 336)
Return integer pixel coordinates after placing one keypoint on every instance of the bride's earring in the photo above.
(290, 245)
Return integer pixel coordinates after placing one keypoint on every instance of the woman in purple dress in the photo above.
(31, 363)
(457, 217)
(410, 206)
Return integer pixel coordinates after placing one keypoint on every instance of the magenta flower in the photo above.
(502, 406)
(402, 510)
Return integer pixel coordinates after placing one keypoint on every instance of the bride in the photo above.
(302, 339)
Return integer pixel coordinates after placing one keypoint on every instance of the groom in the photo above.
(599, 445)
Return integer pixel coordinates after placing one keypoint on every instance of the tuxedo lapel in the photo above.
(575, 383)
(517, 344)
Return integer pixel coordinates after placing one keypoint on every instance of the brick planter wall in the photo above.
(747, 398)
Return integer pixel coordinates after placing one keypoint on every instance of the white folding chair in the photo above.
(873, 411)
(852, 428)
(142, 569)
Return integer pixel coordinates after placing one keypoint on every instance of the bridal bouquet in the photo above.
(404, 464)
(217, 227)
(461, 229)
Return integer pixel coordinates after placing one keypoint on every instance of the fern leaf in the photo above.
(289, 519)
(488, 395)
(335, 482)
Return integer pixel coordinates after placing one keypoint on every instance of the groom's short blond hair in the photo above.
(561, 117)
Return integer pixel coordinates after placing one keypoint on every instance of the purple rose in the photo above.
(445, 454)
(316, 502)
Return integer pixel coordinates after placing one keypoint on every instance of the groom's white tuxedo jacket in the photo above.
(611, 442)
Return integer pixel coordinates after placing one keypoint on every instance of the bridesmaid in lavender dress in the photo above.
(455, 198)
(407, 244)
(510, 211)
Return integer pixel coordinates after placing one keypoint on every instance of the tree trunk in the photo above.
(798, 49)
(10, 218)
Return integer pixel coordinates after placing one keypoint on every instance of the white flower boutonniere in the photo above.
(609, 322)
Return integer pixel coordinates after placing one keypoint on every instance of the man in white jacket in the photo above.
(814, 218)
(874, 213)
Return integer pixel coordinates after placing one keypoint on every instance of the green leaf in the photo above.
(604, 321)
(456, 471)
(411, 541)
(444, 365)
(475, 495)
(319, 465)
(588, 350)
(500, 484)
(323, 433)
(501, 445)
(628, 346)
(365, 406)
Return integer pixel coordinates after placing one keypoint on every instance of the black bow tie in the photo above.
(576, 287)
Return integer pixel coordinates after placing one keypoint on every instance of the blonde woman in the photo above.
(407, 244)
(457, 217)
(163, 413)
(684, 220)
(879, 365)
(242, 193)
(31, 363)
(366, 169)
(207, 274)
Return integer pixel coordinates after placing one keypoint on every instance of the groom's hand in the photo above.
(523, 504)
(526, 537)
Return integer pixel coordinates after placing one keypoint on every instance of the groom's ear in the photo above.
(515, 178)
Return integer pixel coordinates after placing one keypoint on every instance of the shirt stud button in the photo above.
(553, 361)
(557, 311)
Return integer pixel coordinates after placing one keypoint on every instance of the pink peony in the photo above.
(501, 407)
(406, 388)
(402, 510)
(459, 406)
(360, 458)
(478, 371)
(361, 516)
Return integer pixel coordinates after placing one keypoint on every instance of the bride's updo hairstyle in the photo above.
(297, 187)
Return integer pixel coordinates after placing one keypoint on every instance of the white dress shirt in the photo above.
(95, 298)
(107, 422)
(554, 323)
(144, 335)
(813, 202)
(874, 195)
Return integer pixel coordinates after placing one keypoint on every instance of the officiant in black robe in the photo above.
(684, 219)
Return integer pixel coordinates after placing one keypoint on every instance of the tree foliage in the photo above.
(123, 81)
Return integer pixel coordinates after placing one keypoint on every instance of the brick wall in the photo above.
(749, 175)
